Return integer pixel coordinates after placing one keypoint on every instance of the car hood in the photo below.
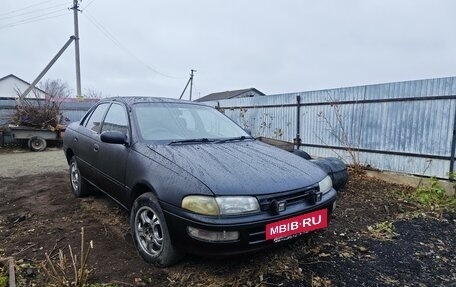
(242, 168)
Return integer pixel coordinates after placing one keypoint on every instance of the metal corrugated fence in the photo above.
(404, 127)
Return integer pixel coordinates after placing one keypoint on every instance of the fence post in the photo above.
(297, 140)
(453, 146)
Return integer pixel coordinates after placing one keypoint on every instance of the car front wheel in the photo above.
(150, 232)
(79, 186)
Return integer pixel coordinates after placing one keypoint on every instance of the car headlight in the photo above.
(222, 205)
(201, 204)
(325, 185)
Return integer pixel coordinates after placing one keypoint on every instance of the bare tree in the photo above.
(91, 93)
(56, 89)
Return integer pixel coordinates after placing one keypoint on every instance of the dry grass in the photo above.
(62, 273)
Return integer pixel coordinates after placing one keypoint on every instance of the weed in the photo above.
(434, 196)
(64, 274)
(278, 133)
(452, 175)
(3, 278)
(242, 112)
(383, 230)
(346, 128)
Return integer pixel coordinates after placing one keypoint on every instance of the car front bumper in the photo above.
(251, 228)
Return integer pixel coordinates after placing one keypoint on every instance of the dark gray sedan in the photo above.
(193, 180)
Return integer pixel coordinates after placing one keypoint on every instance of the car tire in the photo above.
(79, 185)
(301, 153)
(37, 143)
(336, 169)
(150, 232)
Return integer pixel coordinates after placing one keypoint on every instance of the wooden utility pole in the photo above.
(75, 9)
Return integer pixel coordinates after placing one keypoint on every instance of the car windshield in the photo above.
(180, 122)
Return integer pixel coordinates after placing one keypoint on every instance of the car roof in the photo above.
(148, 99)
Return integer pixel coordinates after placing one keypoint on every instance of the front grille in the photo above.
(289, 197)
(257, 235)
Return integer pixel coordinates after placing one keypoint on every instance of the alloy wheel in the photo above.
(148, 231)
(74, 174)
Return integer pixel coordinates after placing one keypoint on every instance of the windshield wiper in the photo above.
(241, 138)
(201, 140)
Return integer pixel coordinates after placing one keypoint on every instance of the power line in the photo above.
(30, 20)
(197, 90)
(33, 11)
(111, 37)
(85, 7)
(26, 7)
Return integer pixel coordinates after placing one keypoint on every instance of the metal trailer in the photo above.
(36, 138)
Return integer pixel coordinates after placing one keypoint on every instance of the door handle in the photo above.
(96, 147)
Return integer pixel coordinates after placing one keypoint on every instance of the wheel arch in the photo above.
(139, 189)
(69, 154)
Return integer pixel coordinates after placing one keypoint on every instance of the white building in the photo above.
(9, 85)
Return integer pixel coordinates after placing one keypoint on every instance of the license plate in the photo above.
(298, 224)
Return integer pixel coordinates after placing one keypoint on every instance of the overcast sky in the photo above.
(277, 46)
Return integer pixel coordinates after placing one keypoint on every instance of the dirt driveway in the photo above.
(38, 215)
(18, 162)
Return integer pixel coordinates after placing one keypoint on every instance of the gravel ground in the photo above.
(20, 162)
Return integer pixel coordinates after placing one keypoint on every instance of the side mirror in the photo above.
(113, 137)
